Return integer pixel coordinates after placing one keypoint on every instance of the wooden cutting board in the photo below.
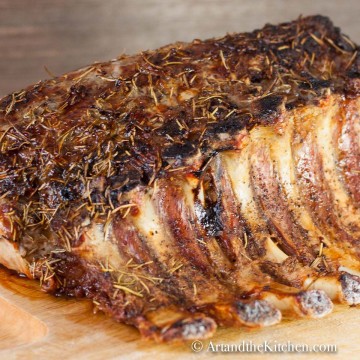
(35, 325)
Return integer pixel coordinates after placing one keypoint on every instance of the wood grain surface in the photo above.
(66, 34)
(34, 325)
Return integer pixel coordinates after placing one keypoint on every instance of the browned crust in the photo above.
(129, 121)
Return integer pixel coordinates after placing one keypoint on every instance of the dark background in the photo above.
(67, 34)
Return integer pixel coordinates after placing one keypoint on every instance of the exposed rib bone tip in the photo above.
(258, 313)
(314, 303)
(350, 285)
(189, 329)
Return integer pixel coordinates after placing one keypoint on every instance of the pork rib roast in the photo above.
(201, 184)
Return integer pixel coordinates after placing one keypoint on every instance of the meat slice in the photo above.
(201, 184)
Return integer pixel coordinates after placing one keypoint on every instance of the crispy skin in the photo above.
(188, 186)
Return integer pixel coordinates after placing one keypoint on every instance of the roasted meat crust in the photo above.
(179, 188)
(149, 113)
